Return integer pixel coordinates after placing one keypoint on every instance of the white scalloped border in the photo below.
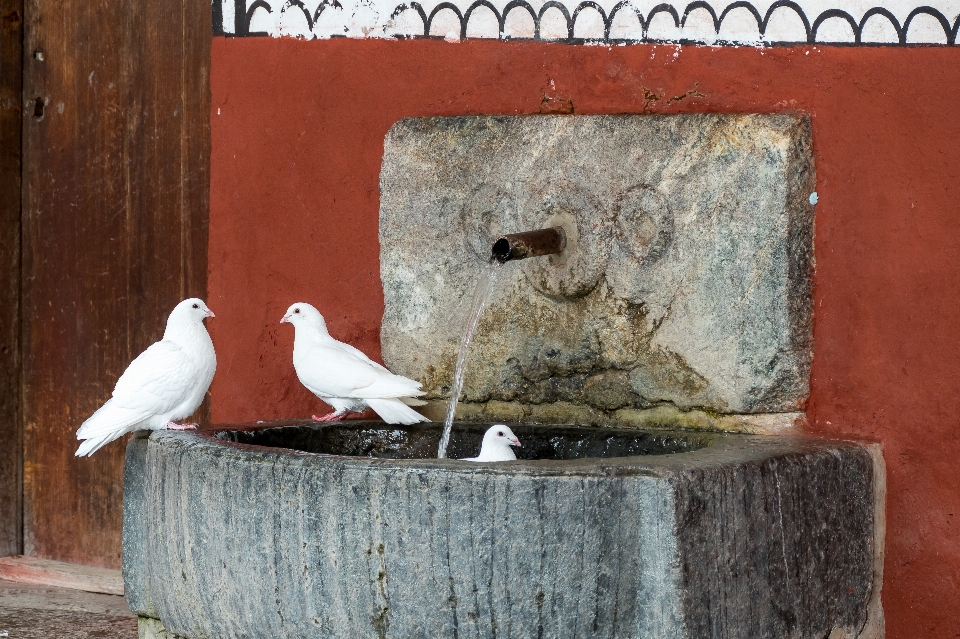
(753, 22)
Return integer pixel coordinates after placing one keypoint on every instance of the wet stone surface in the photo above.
(247, 533)
(686, 278)
(420, 441)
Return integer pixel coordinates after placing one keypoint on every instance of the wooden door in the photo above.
(115, 137)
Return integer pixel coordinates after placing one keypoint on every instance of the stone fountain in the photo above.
(656, 370)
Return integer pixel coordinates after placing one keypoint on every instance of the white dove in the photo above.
(165, 383)
(344, 377)
(496, 445)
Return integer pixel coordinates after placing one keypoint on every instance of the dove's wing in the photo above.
(409, 401)
(159, 379)
(334, 372)
(331, 372)
(356, 352)
(155, 383)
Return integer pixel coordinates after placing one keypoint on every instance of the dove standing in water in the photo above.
(165, 383)
(496, 445)
(344, 377)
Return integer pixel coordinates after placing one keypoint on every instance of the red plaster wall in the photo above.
(298, 130)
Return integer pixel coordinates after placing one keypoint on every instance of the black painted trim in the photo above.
(244, 13)
(217, 17)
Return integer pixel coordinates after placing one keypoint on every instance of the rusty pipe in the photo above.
(518, 246)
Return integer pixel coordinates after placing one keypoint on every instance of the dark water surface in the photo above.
(385, 441)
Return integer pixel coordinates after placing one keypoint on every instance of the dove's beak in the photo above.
(516, 442)
(209, 313)
(286, 319)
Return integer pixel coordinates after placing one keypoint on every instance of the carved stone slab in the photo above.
(686, 280)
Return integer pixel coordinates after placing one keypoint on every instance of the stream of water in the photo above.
(481, 296)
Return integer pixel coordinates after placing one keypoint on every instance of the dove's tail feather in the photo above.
(412, 401)
(390, 386)
(394, 411)
(92, 445)
(106, 425)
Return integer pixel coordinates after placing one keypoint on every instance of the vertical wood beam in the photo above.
(11, 437)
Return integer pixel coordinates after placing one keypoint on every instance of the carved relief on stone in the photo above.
(685, 281)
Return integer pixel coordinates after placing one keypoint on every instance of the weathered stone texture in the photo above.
(687, 274)
(661, 417)
(751, 536)
(150, 628)
(135, 541)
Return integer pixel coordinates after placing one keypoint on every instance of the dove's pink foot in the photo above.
(176, 426)
(329, 417)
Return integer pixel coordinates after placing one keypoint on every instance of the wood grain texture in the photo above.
(11, 452)
(45, 612)
(44, 572)
(116, 156)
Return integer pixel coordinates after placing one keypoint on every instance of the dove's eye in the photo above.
(196, 306)
(296, 310)
(499, 433)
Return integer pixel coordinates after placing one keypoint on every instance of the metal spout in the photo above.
(518, 246)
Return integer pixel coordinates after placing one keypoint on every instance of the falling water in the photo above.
(481, 296)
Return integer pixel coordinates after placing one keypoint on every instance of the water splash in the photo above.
(481, 297)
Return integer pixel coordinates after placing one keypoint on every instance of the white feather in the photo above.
(163, 384)
(343, 376)
(496, 445)
(394, 411)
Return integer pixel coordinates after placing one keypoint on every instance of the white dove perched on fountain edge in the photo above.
(496, 445)
(165, 383)
(344, 377)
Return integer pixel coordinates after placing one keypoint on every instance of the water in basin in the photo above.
(376, 439)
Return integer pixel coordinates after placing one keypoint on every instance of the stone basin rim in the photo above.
(725, 449)
(569, 445)
(247, 493)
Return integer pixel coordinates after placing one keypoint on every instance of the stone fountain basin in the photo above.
(301, 530)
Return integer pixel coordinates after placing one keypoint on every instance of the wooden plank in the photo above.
(116, 155)
(11, 452)
(44, 572)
